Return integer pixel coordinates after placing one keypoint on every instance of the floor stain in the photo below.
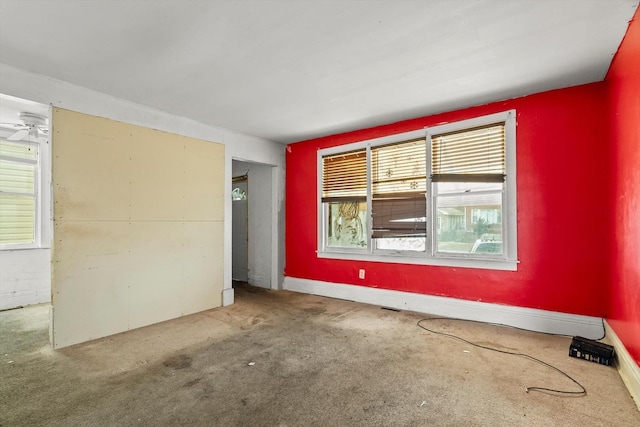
(180, 361)
(314, 310)
(191, 383)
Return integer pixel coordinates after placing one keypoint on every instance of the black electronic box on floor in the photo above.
(594, 351)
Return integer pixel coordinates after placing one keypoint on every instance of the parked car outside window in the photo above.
(486, 247)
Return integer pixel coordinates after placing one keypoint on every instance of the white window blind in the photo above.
(18, 188)
(398, 189)
(472, 155)
(344, 177)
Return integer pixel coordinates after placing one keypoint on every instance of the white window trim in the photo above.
(509, 215)
(42, 226)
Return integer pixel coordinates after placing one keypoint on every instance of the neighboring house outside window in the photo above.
(427, 197)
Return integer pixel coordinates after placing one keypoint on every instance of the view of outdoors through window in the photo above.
(467, 212)
(468, 175)
(18, 166)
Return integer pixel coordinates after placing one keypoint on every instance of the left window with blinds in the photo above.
(19, 189)
(344, 200)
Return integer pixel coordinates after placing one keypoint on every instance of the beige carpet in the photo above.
(277, 358)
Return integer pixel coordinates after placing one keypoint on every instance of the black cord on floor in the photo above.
(604, 331)
(582, 392)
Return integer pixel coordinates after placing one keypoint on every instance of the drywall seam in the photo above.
(627, 368)
(520, 317)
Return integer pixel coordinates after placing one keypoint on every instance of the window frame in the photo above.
(323, 208)
(41, 231)
(508, 260)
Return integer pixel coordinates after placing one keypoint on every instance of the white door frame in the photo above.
(276, 231)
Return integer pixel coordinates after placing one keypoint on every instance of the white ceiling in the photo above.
(292, 70)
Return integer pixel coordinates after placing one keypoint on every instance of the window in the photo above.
(18, 193)
(444, 195)
(398, 188)
(468, 172)
(344, 198)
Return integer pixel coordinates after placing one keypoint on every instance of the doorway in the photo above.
(240, 229)
(253, 249)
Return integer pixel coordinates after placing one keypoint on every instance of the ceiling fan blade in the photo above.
(18, 135)
(12, 126)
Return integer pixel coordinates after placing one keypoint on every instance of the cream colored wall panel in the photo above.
(202, 272)
(89, 168)
(194, 254)
(157, 178)
(152, 240)
(202, 265)
(212, 151)
(155, 291)
(91, 304)
(91, 275)
(203, 238)
(204, 192)
(82, 246)
(199, 194)
(129, 258)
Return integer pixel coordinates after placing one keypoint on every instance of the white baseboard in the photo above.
(520, 317)
(627, 367)
(228, 297)
(260, 280)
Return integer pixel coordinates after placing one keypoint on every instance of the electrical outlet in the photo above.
(361, 273)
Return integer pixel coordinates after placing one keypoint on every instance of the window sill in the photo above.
(23, 247)
(487, 264)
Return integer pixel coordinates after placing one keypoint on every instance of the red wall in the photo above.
(623, 83)
(562, 215)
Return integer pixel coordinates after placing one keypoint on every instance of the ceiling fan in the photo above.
(33, 125)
